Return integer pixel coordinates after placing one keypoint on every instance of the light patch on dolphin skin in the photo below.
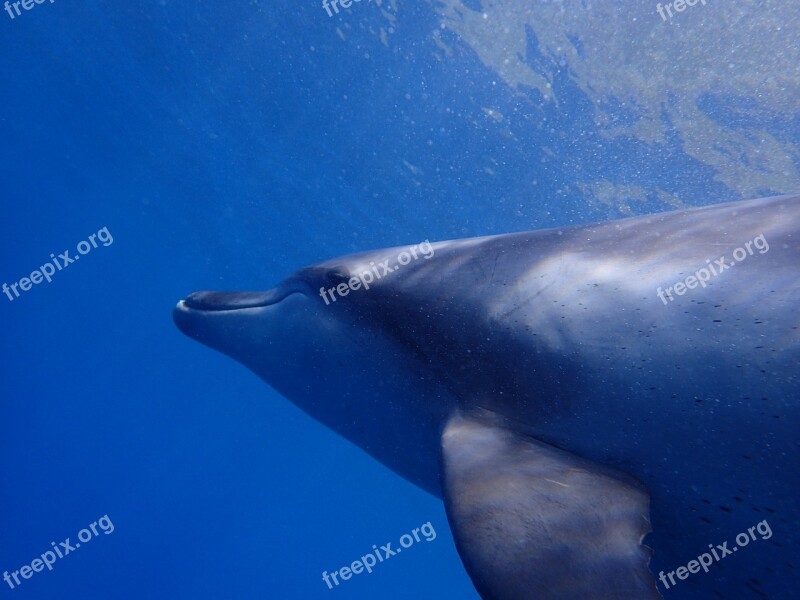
(568, 276)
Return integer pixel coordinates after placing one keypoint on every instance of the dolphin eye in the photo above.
(336, 276)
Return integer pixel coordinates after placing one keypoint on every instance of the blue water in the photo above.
(223, 146)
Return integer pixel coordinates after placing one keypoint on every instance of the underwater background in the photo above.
(224, 146)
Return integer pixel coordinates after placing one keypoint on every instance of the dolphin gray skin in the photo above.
(560, 401)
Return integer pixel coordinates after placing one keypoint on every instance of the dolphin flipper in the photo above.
(532, 521)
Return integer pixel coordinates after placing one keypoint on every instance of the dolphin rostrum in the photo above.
(566, 392)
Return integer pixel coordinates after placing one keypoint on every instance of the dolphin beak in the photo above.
(219, 301)
(207, 316)
(199, 306)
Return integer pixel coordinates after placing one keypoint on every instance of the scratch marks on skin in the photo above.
(557, 483)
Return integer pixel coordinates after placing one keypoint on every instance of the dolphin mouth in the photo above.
(228, 301)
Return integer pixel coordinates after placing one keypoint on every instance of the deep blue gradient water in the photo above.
(225, 145)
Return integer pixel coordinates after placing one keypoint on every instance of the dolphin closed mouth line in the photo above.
(232, 301)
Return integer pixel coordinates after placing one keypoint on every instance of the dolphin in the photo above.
(607, 411)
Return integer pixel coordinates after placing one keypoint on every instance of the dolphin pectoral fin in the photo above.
(532, 521)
